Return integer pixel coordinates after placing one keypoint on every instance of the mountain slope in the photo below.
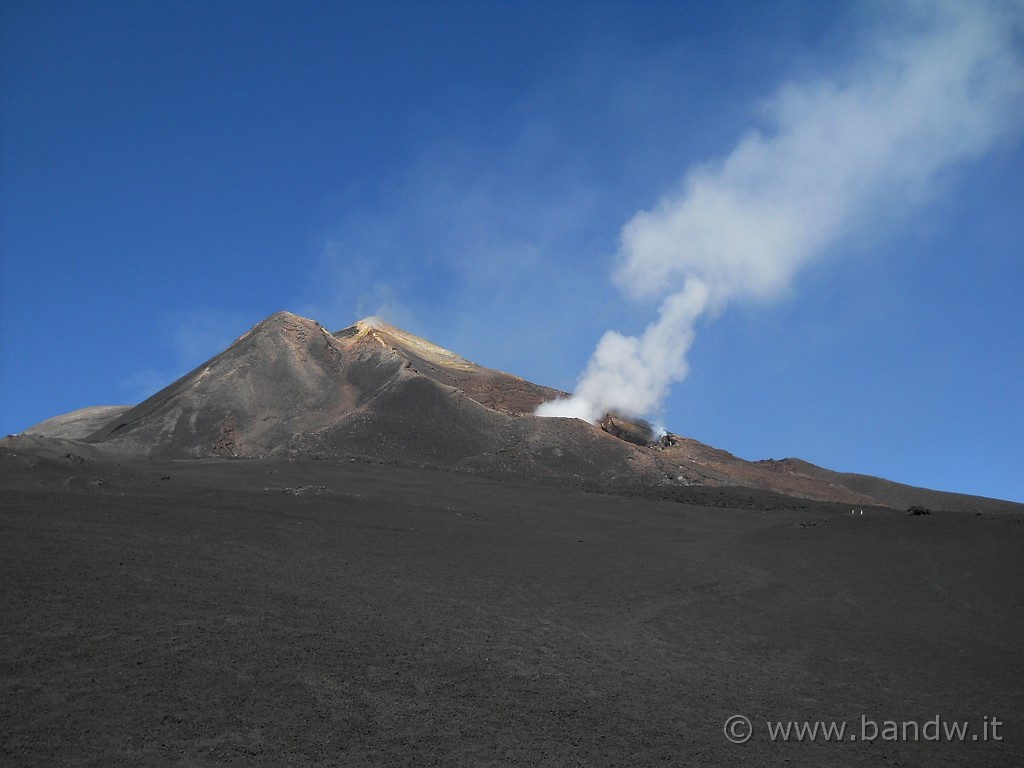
(77, 424)
(283, 376)
(496, 390)
(289, 387)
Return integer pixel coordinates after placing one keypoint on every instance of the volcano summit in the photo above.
(289, 387)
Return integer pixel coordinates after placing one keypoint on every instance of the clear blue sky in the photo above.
(174, 172)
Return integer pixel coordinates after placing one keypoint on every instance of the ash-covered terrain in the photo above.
(357, 549)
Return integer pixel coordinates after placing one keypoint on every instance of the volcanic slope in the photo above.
(77, 424)
(289, 387)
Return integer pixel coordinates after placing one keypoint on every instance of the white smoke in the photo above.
(943, 89)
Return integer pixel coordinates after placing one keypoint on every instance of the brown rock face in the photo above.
(289, 387)
(635, 431)
(496, 390)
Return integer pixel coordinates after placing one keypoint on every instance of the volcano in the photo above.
(373, 392)
(359, 548)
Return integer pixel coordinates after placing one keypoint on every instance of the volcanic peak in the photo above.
(390, 337)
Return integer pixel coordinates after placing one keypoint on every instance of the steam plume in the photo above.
(943, 89)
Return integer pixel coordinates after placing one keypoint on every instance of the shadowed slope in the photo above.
(284, 376)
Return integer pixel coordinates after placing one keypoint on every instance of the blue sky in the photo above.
(174, 172)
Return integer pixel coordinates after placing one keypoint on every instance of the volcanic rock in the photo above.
(636, 431)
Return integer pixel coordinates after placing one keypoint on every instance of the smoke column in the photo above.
(940, 85)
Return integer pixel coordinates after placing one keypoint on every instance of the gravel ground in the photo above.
(276, 613)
